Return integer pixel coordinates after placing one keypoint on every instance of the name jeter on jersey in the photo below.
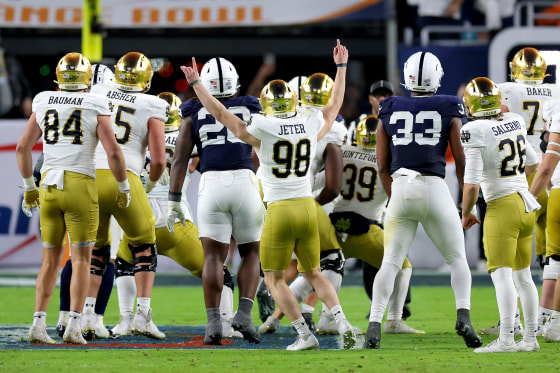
(290, 129)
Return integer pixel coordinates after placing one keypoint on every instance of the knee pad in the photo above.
(148, 263)
(228, 279)
(123, 268)
(551, 271)
(104, 252)
(332, 260)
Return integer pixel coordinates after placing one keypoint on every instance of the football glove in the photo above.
(149, 185)
(30, 196)
(123, 196)
(174, 212)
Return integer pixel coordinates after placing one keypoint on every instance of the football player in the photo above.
(229, 202)
(498, 157)
(139, 124)
(284, 141)
(412, 140)
(71, 122)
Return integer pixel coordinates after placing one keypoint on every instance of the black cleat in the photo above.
(265, 302)
(406, 312)
(60, 329)
(466, 330)
(308, 317)
(373, 335)
(213, 333)
(245, 326)
(89, 335)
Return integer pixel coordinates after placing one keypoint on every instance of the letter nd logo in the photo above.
(342, 224)
(465, 136)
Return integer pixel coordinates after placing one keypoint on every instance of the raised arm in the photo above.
(217, 109)
(331, 110)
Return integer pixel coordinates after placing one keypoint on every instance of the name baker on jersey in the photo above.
(506, 127)
(349, 154)
(121, 96)
(66, 100)
(535, 91)
(290, 129)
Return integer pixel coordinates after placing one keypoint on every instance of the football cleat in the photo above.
(38, 334)
(228, 332)
(552, 334)
(327, 324)
(61, 324)
(124, 327)
(308, 317)
(100, 329)
(399, 327)
(265, 302)
(270, 325)
(143, 324)
(74, 335)
(496, 346)
(495, 330)
(466, 330)
(523, 346)
(213, 332)
(87, 323)
(243, 324)
(346, 330)
(307, 342)
(373, 335)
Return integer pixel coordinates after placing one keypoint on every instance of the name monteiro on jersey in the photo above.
(350, 154)
(76, 101)
(506, 127)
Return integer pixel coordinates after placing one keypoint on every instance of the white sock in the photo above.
(382, 288)
(300, 326)
(507, 302)
(126, 290)
(301, 288)
(89, 305)
(143, 303)
(40, 319)
(461, 283)
(62, 318)
(398, 297)
(529, 296)
(74, 319)
(338, 313)
(226, 304)
(306, 308)
(544, 315)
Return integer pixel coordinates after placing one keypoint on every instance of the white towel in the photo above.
(530, 200)
(54, 177)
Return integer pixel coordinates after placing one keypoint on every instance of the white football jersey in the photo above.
(505, 153)
(337, 136)
(362, 191)
(287, 146)
(68, 121)
(555, 127)
(130, 122)
(528, 101)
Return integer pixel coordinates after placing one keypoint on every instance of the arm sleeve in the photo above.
(473, 166)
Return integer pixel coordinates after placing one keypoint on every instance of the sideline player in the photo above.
(411, 144)
(498, 157)
(284, 141)
(71, 121)
(229, 202)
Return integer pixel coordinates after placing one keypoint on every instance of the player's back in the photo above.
(418, 130)
(218, 148)
(503, 148)
(362, 191)
(131, 114)
(68, 121)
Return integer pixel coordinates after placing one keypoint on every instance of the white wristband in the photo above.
(29, 183)
(124, 186)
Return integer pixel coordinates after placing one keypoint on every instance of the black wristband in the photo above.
(341, 64)
(175, 197)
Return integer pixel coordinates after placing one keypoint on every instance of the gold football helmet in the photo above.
(278, 99)
(133, 73)
(366, 132)
(482, 98)
(528, 66)
(73, 72)
(316, 90)
(175, 115)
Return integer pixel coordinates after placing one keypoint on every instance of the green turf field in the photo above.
(433, 310)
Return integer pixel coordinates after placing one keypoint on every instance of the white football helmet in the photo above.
(220, 77)
(101, 74)
(422, 72)
(296, 83)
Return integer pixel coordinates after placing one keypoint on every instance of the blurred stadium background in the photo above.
(297, 36)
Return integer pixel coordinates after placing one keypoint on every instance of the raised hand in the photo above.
(340, 53)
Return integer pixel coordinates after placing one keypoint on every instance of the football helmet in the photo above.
(278, 99)
(101, 74)
(366, 132)
(220, 77)
(316, 90)
(296, 83)
(528, 66)
(73, 72)
(133, 73)
(175, 115)
(422, 72)
(482, 98)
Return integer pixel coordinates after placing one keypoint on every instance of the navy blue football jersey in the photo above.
(218, 148)
(418, 130)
